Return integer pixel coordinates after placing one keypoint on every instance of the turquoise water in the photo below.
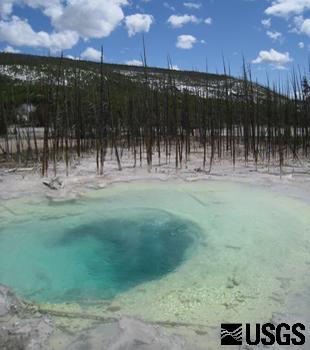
(60, 262)
(198, 253)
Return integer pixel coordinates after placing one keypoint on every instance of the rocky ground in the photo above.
(20, 182)
(23, 329)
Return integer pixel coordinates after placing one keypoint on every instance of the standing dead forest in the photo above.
(72, 112)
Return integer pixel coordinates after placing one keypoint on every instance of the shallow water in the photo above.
(197, 253)
(105, 255)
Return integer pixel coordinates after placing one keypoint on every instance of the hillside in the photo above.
(19, 68)
(54, 110)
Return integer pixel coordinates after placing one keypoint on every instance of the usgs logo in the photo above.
(265, 334)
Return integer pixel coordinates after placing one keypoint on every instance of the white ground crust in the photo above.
(27, 183)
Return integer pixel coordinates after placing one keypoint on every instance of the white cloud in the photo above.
(305, 27)
(138, 23)
(91, 54)
(18, 32)
(51, 8)
(71, 57)
(186, 42)
(179, 21)
(10, 49)
(168, 6)
(296, 8)
(273, 35)
(208, 20)
(91, 18)
(273, 57)
(192, 5)
(298, 21)
(134, 62)
(88, 18)
(301, 26)
(285, 8)
(70, 20)
(266, 23)
(6, 8)
(301, 45)
(175, 67)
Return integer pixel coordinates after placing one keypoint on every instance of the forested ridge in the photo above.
(72, 108)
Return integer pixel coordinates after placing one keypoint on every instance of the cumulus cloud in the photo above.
(295, 8)
(266, 23)
(138, 23)
(186, 42)
(168, 6)
(71, 57)
(192, 5)
(179, 21)
(301, 26)
(6, 8)
(10, 49)
(305, 27)
(18, 32)
(276, 59)
(301, 45)
(91, 54)
(273, 35)
(208, 20)
(285, 8)
(91, 18)
(70, 20)
(134, 62)
(51, 8)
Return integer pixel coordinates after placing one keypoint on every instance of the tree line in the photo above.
(106, 113)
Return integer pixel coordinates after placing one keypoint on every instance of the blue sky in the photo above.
(272, 35)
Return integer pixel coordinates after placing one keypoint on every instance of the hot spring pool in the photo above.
(97, 259)
(199, 253)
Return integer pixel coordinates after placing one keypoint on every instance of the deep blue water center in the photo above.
(127, 252)
(97, 259)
